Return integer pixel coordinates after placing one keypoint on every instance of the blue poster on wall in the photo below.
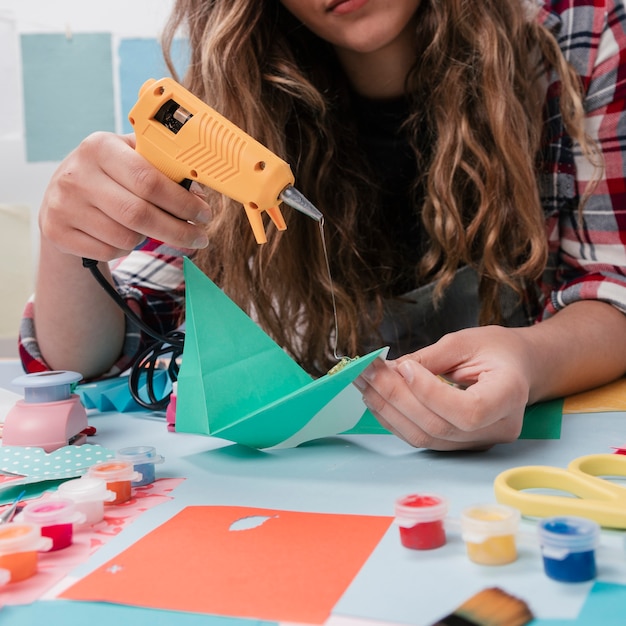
(68, 91)
(141, 59)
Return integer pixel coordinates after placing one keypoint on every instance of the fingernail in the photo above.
(360, 383)
(202, 241)
(204, 217)
(406, 370)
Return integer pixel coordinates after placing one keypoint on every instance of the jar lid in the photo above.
(50, 512)
(479, 522)
(140, 454)
(114, 470)
(86, 489)
(569, 533)
(418, 508)
(22, 537)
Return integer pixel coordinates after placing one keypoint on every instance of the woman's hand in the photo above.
(489, 370)
(105, 199)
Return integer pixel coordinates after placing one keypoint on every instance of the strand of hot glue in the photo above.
(342, 360)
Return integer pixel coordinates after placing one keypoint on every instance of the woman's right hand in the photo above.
(104, 199)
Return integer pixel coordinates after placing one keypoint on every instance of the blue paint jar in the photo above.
(143, 458)
(568, 545)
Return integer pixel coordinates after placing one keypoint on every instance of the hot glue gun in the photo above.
(189, 141)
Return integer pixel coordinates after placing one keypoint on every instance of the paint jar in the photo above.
(143, 458)
(118, 476)
(55, 518)
(19, 545)
(89, 495)
(489, 533)
(420, 519)
(568, 546)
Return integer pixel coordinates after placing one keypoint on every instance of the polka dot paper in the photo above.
(30, 464)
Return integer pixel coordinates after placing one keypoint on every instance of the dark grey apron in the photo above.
(412, 321)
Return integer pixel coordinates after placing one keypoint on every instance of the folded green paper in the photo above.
(236, 383)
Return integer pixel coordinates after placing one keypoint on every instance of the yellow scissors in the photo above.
(596, 498)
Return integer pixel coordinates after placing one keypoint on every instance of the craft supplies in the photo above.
(89, 495)
(50, 416)
(420, 518)
(568, 545)
(19, 545)
(489, 533)
(118, 476)
(55, 518)
(8, 514)
(143, 459)
(598, 499)
(490, 606)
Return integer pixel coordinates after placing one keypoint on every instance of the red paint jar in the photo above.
(55, 518)
(420, 518)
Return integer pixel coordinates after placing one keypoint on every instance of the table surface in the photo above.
(365, 474)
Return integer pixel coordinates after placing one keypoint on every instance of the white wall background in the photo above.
(22, 184)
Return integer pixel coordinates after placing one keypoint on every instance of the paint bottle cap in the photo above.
(417, 508)
(22, 537)
(559, 536)
(480, 522)
(138, 455)
(41, 387)
(114, 471)
(51, 512)
(86, 489)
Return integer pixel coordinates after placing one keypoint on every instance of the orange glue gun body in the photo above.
(189, 141)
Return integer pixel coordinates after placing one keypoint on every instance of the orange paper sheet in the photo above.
(288, 566)
(610, 397)
(54, 566)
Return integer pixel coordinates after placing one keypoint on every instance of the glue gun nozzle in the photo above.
(293, 198)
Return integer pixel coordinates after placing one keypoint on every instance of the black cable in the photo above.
(151, 359)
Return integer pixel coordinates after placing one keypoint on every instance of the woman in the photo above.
(470, 179)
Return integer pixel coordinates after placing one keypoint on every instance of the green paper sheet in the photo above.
(541, 421)
(236, 383)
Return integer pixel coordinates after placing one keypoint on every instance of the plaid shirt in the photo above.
(584, 263)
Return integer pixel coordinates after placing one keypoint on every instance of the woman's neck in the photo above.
(380, 74)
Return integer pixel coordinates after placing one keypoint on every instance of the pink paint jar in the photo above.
(420, 518)
(89, 495)
(170, 412)
(19, 545)
(118, 476)
(55, 518)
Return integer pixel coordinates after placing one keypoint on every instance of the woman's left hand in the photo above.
(489, 372)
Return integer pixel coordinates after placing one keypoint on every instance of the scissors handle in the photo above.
(600, 465)
(595, 498)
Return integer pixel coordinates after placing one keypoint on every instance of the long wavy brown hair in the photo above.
(476, 84)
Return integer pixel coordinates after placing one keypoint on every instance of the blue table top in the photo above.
(363, 474)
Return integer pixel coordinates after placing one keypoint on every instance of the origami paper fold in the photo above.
(113, 394)
(236, 383)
